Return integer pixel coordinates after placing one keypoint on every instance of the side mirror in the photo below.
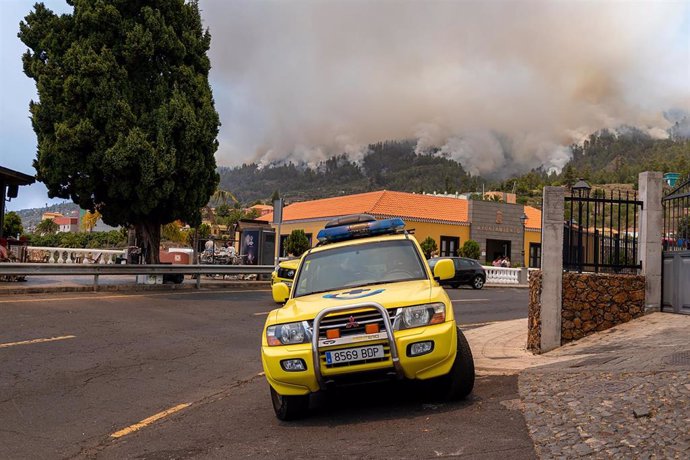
(281, 292)
(444, 270)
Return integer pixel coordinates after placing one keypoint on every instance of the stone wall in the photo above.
(591, 303)
(596, 302)
(534, 315)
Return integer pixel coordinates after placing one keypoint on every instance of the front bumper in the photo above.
(396, 344)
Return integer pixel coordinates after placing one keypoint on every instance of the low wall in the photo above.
(591, 302)
(534, 312)
(596, 302)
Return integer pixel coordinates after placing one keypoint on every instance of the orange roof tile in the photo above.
(383, 203)
(533, 217)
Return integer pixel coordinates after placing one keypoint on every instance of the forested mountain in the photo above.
(391, 165)
(605, 157)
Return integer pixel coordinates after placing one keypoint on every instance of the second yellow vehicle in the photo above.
(364, 305)
(285, 272)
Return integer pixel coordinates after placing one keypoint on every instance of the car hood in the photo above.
(389, 295)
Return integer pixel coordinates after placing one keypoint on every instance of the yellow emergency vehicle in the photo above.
(364, 305)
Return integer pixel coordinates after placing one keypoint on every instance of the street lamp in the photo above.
(582, 188)
(523, 220)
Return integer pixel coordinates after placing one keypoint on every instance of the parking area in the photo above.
(178, 374)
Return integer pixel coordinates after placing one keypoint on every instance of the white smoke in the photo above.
(491, 84)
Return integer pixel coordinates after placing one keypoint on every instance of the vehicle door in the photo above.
(466, 270)
(460, 271)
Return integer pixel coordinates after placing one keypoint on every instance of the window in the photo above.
(359, 265)
(535, 255)
(449, 246)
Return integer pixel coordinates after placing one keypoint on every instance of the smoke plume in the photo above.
(491, 84)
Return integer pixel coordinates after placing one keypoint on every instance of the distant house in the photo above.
(67, 224)
(263, 209)
(51, 215)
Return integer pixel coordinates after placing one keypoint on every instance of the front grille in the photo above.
(352, 323)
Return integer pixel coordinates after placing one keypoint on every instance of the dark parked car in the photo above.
(467, 271)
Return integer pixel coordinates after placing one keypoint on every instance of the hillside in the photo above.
(606, 157)
(31, 217)
(389, 165)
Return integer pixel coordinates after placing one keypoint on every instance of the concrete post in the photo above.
(523, 277)
(552, 267)
(650, 247)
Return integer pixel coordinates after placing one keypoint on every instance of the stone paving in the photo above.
(621, 393)
(618, 394)
(608, 415)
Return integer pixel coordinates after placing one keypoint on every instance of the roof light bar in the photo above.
(360, 230)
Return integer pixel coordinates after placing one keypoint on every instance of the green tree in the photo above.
(223, 210)
(47, 227)
(470, 249)
(125, 121)
(297, 243)
(428, 246)
(12, 226)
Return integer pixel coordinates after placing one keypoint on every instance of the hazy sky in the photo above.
(498, 86)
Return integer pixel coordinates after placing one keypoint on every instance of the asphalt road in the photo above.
(185, 366)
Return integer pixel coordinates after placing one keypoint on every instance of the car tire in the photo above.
(459, 382)
(289, 407)
(477, 282)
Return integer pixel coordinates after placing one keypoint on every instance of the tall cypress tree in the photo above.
(125, 121)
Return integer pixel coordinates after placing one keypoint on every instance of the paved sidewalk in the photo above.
(620, 393)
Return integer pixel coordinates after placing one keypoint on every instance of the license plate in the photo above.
(354, 354)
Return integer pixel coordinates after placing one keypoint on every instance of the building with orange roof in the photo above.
(263, 209)
(497, 226)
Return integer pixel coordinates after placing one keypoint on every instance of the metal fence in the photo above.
(96, 270)
(601, 231)
(676, 208)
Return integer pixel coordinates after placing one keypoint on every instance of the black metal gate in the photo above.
(601, 231)
(676, 249)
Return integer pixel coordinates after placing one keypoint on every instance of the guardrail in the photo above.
(96, 270)
(502, 275)
(75, 255)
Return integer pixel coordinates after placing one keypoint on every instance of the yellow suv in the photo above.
(285, 272)
(364, 306)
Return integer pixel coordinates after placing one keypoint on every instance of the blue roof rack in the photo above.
(358, 226)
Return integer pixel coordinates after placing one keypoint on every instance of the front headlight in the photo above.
(286, 334)
(422, 315)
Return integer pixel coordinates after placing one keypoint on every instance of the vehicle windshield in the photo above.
(359, 265)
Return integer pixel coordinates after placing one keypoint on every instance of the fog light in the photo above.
(293, 365)
(371, 328)
(420, 348)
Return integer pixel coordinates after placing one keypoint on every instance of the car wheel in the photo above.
(477, 282)
(289, 407)
(460, 380)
